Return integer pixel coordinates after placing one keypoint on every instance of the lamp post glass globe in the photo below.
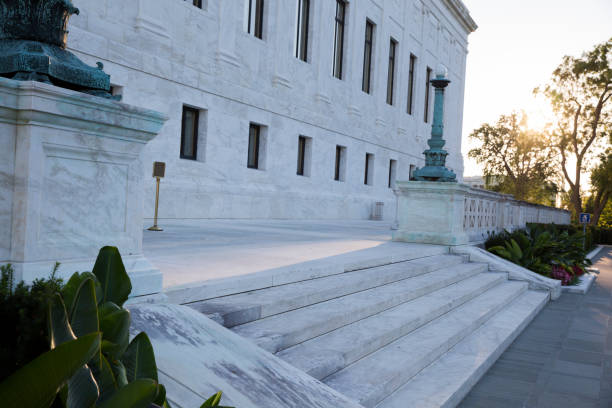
(441, 71)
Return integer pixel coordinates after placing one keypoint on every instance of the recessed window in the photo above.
(197, 3)
(411, 172)
(304, 154)
(339, 38)
(303, 21)
(392, 173)
(340, 165)
(368, 176)
(427, 92)
(367, 56)
(253, 17)
(411, 83)
(189, 133)
(391, 71)
(254, 144)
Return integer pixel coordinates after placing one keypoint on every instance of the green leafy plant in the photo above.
(214, 401)
(37, 383)
(23, 313)
(553, 251)
(119, 373)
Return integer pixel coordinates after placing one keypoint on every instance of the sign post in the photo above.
(159, 170)
(585, 218)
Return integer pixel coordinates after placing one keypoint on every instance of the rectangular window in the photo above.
(303, 17)
(392, 173)
(197, 3)
(367, 56)
(411, 83)
(368, 176)
(339, 171)
(254, 140)
(339, 38)
(391, 72)
(254, 17)
(411, 172)
(427, 86)
(189, 133)
(304, 155)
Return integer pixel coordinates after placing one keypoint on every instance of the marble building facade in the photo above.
(329, 145)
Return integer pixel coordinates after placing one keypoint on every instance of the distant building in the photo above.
(474, 181)
(282, 108)
(483, 182)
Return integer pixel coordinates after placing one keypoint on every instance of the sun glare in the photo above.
(539, 114)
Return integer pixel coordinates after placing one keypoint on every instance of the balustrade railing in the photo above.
(487, 212)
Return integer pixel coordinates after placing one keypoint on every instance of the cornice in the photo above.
(461, 12)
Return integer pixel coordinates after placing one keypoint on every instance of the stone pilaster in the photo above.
(76, 183)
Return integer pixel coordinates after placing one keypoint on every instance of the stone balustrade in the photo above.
(487, 212)
(456, 214)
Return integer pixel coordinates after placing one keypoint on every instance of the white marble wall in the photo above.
(7, 165)
(166, 53)
(71, 180)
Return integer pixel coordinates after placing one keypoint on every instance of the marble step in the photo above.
(331, 352)
(246, 307)
(376, 376)
(448, 380)
(281, 331)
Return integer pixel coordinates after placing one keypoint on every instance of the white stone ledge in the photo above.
(591, 255)
(585, 283)
(515, 272)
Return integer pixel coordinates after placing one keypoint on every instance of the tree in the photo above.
(601, 183)
(579, 92)
(605, 220)
(519, 159)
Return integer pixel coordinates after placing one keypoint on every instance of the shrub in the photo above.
(86, 321)
(23, 313)
(601, 235)
(550, 250)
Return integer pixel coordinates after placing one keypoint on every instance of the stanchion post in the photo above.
(159, 169)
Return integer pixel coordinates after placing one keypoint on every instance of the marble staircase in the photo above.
(415, 333)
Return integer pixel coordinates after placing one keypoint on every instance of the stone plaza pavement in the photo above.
(190, 251)
(562, 359)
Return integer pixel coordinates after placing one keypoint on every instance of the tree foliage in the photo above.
(519, 159)
(601, 184)
(579, 92)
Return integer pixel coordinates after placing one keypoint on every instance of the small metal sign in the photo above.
(585, 218)
(159, 169)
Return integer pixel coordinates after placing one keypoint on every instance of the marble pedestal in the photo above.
(431, 212)
(71, 181)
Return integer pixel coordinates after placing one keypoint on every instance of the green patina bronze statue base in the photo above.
(33, 60)
(33, 47)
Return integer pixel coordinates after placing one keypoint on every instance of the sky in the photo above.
(516, 47)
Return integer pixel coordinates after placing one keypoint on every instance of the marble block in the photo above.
(197, 357)
(71, 181)
(431, 213)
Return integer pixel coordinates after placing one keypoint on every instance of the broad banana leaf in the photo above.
(84, 309)
(137, 394)
(115, 328)
(36, 384)
(139, 359)
(81, 389)
(111, 274)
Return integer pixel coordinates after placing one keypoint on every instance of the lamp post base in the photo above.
(155, 228)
